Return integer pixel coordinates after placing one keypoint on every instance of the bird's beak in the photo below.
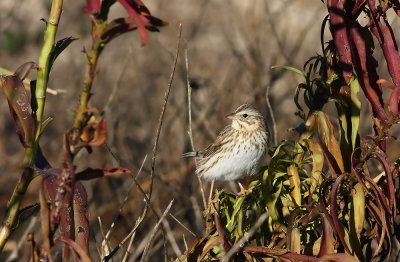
(231, 116)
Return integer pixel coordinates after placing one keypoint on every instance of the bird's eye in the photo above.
(245, 115)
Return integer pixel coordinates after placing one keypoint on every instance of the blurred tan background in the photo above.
(231, 47)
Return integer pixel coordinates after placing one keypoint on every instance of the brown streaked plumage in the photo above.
(239, 149)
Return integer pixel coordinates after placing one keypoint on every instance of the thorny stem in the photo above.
(14, 203)
(98, 27)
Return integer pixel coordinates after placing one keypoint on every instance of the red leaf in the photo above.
(80, 217)
(117, 27)
(328, 241)
(23, 71)
(93, 6)
(99, 134)
(19, 101)
(79, 250)
(45, 219)
(90, 173)
(334, 211)
(141, 16)
(66, 221)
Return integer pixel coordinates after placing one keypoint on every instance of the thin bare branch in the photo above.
(182, 225)
(146, 250)
(190, 132)
(105, 245)
(160, 121)
(171, 238)
(272, 116)
(14, 254)
(246, 236)
(127, 252)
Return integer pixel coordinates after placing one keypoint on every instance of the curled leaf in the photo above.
(318, 164)
(140, 15)
(99, 134)
(329, 143)
(20, 105)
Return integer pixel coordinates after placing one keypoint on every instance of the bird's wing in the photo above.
(219, 142)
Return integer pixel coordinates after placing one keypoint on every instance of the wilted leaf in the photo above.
(327, 241)
(355, 111)
(358, 195)
(80, 217)
(90, 173)
(20, 104)
(99, 134)
(334, 213)
(23, 71)
(294, 179)
(329, 143)
(318, 163)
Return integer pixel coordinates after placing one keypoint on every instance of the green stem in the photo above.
(11, 217)
(98, 28)
(87, 86)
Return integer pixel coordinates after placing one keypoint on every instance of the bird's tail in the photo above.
(190, 154)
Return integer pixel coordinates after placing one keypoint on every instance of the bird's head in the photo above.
(246, 117)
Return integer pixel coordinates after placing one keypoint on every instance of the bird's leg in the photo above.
(243, 191)
(211, 193)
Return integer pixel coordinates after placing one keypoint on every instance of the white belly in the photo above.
(235, 165)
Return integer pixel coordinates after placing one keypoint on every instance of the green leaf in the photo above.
(271, 200)
(290, 68)
(236, 208)
(59, 47)
(355, 110)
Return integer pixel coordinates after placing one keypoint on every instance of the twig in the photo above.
(197, 211)
(189, 90)
(129, 246)
(184, 241)
(138, 251)
(171, 238)
(14, 254)
(182, 225)
(247, 235)
(160, 121)
(124, 202)
(146, 250)
(138, 221)
(105, 245)
(271, 114)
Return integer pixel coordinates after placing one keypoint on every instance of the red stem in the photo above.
(339, 32)
(386, 39)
